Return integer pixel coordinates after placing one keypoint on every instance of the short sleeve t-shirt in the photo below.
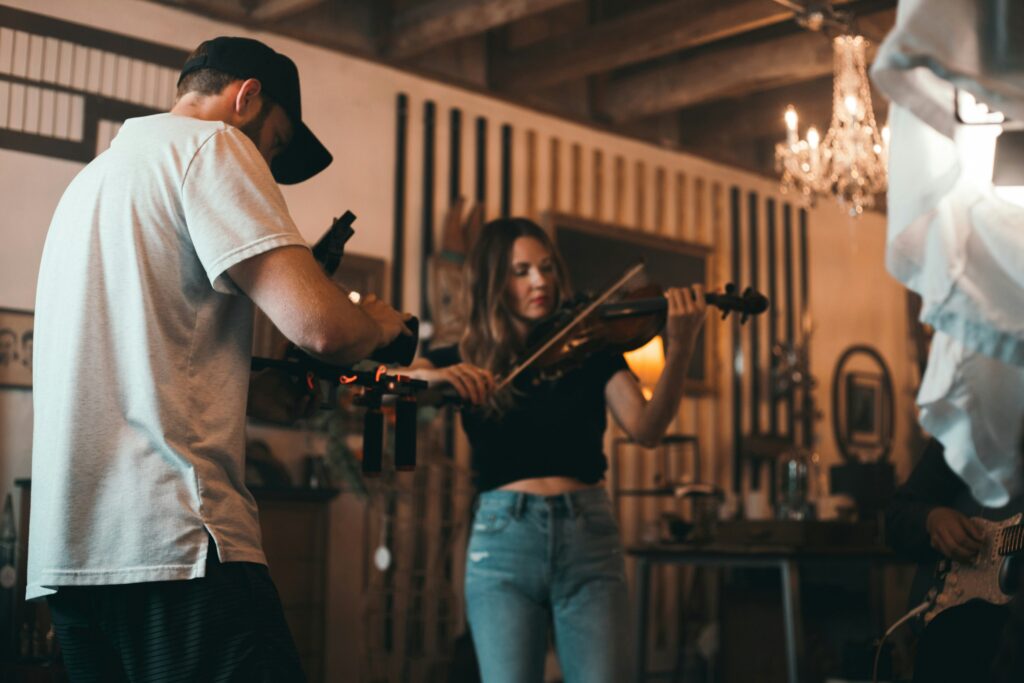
(141, 358)
(555, 428)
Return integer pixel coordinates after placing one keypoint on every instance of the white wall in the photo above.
(350, 103)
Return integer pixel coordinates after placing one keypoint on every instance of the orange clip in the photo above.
(347, 379)
(380, 372)
(309, 381)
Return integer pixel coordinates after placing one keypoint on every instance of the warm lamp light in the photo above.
(647, 362)
(791, 121)
(813, 138)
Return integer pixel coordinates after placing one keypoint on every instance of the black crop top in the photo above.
(555, 430)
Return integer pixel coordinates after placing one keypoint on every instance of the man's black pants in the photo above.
(227, 626)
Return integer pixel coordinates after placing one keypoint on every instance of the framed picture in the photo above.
(863, 405)
(16, 348)
(598, 253)
(864, 409)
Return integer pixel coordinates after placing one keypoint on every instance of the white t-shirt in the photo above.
(142, 350)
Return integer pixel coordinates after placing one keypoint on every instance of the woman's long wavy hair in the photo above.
(490, 340)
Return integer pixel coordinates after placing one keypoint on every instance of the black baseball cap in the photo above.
(245, 58)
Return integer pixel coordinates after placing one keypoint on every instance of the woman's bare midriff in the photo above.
(547, 486)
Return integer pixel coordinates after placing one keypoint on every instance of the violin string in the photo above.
(555, 338)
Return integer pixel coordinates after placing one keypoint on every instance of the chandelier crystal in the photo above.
(850, 163)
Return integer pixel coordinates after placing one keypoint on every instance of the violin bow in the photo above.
(560, 334)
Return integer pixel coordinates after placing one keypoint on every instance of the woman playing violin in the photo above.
(545, 547)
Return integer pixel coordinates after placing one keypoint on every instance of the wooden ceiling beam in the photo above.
(275, 10)
(728, 72)
(640, 36)
(230, 10)
(348, 27)
(441, 21)
(760, 115)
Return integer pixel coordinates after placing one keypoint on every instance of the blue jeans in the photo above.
(540, 561)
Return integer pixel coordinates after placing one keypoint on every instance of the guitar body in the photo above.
(959, 583)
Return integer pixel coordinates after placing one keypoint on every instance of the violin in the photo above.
(589, 325)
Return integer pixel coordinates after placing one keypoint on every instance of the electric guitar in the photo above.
(992, 575)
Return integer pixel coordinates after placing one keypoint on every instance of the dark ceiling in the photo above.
(711, 77)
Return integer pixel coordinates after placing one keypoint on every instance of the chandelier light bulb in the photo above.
(791, 121)
(813, 137)
(791, 118)
(851, 104)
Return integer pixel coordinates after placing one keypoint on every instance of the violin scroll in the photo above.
(751, 302)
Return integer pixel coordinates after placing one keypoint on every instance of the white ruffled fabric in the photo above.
(953, 241)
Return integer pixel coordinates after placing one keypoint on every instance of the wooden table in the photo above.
(787, 559)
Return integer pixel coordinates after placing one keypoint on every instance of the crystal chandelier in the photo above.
(850, 163)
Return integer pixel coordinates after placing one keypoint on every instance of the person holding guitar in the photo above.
(933, 519)
(545, 547)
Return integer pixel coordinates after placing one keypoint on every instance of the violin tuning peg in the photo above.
(725, 314)
(730, 288)
(744, 317)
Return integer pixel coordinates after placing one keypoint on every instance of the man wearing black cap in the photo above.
(143, 536)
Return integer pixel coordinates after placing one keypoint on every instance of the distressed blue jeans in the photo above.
(540, 562)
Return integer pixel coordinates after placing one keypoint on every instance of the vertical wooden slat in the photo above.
(506, 169)
(773, 326)
(427, 206)
(619, 190)
(755, 340)
(659, 200)
(481, 162)
(520, 180)
(597, 195)
(716, 454)
(454, 155)
(805, 308)
(494, 170)
(531, 174)
(700, 211)
(640, 194)
(555, 164)
(789, 266)
(682, 202)
(576, 201)
(398, 229)
(737, 346)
